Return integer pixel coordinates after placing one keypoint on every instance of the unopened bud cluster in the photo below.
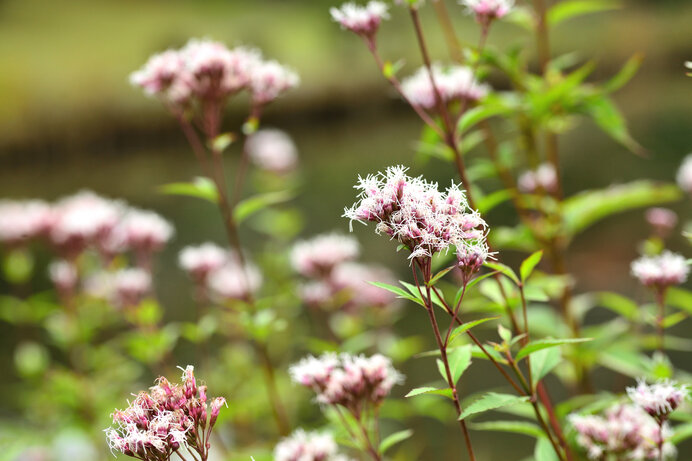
(168, 418)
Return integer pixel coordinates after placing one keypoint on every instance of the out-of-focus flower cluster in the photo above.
(362, 20)
(623, 431)
(353, 382)
(487, 11)
(272, 150)
(308, 446)
(219, 272)
(543, 178)
(661, 271)
(413, 212)
(659, 399)
(335, 280)
(87, 222)
(453, 83)
(684, 175)
(661, 220)
(206, 72)
(168, 418)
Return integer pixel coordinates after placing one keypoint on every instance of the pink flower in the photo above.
(488, 10)
(319, 255)
(233, 281)
(307, 446)
(21, 221)
(659, 399)
(355, 279)
(272, 150)
(454, 83)
(661, 271)
(131, 286)
(201, 260)
(164, 75)
(684, 175)
(362, 20)
(543, 178)
(471, 257)
(64, 276)
(270, 80)
(662, 220)
(144, 231)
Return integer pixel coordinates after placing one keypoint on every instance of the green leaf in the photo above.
(624, 75)
(609, 119)
(618, 304)
(459, 361)
(490, 201)
(529, 264)
(414, 291)
(540, 344)
(589, 207)
(544, 451)
(439, 275)
(478, 114)
(420, 391)
(222, 141)
(390, 69)
(516, 427)
(394, 438)
(680, 298)
(681, 433)
(674, 319)
(461, 329)
(391, 288)
(543, 362)
(200, 187)
(504, 270)
(18, 265)
(568, 9)
(491, 401)
(252, 205)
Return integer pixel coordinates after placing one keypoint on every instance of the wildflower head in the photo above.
(163, 420)
(684, 175)
(270, 80)
(453, 83)
(362, 20)
(622, 430)
(144, 231)
(413, 212)
(661, 220)
(542, 178)
(130, 286)
(661, 271)
(307, 446)
(346, 380)
(471, 257)
(164, 75)
(234, 280)
(660, 399)
(200, 261)
(486, 11)
(319, 255)
(64, 276)
(272, 150)
(21, 221)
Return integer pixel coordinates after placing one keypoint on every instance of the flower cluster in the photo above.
(234, 280)
(661, 271)
(308, 446)
(21, 221)
(272, 150)
(353, 382)
(414, 212)
(207, 72)
(453, 84)
(199, 261)
(661, 220)
(335, 280)
(123, 288)
(487, 11)
(624, 431)
(660, 399)
(168, 418)
(362, 20)
(684, 175)
(543, 178)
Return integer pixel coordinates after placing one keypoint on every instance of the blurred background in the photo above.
(69, 119)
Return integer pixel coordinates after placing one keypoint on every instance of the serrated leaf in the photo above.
(461, 329)
(568, 9)
(589, 207)
(516, 427)
(540, 344)
(200, 187)
(529, 264)
(420, 390)
(504, 270)
(491, 401)
(393, 439)
(459, 361)
(252, 205)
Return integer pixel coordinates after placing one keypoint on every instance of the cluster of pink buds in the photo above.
(170, 418)
(200, 261)
(308, 446)
(661, 220)
(352, 382)
(335, 280)
(123, 288)
(234, 280)
(660, 399)
(361, 20)
(453, 84)
(272, 150)
(486, 11)
(623, 432)
(413, 212)
(684, 175)
(206, 73)
(661, 271)
(543, 178)
(470, 257)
